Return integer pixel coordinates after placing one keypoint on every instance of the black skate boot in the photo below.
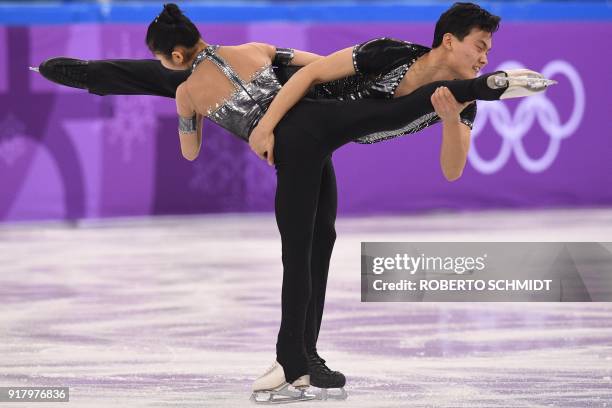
(65, 71)
(324, 378)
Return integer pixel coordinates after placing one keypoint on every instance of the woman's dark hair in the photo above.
(461, 18)
(169, 29)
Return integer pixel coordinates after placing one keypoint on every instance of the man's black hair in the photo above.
(461, 18)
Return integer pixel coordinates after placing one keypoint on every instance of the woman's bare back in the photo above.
(208, 87)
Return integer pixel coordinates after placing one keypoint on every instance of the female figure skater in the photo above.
(233, 86)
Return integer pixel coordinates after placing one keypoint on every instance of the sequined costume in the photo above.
(240, 113)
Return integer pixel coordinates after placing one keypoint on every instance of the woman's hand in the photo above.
(261, 141)
(445, 104)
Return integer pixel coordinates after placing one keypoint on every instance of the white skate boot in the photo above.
(272, 388)
(519, 82)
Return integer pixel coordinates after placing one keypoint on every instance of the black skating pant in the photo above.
(304, 142)
(145, 77)
(305, 202)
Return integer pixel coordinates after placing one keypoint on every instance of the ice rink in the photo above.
(184, 312)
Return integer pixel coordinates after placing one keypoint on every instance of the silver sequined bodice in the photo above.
(241, 112)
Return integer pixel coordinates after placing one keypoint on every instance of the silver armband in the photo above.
(283, 56)
(188, 125)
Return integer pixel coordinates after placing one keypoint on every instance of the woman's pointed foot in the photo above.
(65, 71)
(518, 82)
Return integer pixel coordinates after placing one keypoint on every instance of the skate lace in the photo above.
(316, 362)
(75, 71)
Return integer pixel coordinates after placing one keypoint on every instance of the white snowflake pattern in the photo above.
(12, 139)
(133, 122)
(220, 177)
(134, 119)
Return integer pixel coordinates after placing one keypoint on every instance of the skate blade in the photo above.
(529, 82)
(525, 86)
(327, 394)
(281, 395)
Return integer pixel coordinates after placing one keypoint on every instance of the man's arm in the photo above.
(454, 150)
(303, 58)
(335, 66)
(287, 56)
(455, 133)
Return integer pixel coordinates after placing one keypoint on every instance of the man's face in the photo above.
(470, 55)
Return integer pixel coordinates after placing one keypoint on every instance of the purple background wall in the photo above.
(66, 154)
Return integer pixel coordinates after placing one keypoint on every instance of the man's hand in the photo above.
(261, 141)
(445, 104)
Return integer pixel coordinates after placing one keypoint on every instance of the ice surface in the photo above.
(184, 311)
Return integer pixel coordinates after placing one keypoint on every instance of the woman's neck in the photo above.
(198, 48)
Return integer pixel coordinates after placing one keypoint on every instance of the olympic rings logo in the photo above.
(514, 128)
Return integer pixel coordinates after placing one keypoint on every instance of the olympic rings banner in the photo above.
(67, 154)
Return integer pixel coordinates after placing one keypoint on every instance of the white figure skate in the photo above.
(519, 82)
(272, 388)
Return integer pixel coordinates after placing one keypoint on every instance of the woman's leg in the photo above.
(322, 247)
(133, 77)
(124, 76)
(114, 77)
